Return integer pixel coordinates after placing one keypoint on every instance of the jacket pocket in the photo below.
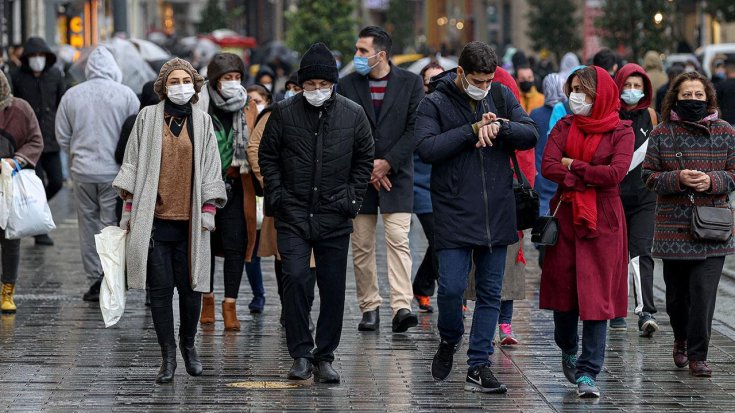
(349, 204)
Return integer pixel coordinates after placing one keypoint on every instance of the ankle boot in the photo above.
(229, 314)
(207, 316)
(190, 356)
(8, 305)
(168, 366)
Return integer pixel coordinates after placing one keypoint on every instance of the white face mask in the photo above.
(268, 86)
(318, 97)
(260, 108)
(37, 63)
(230, 88)
(180, 94)
(473, 91)
(578, 105)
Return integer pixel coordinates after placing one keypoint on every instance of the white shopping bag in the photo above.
(259, 212)
(29, 213)
(110, 245)
(6, 191)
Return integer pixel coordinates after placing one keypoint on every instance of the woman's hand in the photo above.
(126, 212)
(697, 180)
(567, 162)
(208, 222)
(125, 195)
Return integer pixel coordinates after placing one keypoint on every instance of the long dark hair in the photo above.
(672, 96)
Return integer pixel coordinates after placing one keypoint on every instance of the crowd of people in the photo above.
(630, 161)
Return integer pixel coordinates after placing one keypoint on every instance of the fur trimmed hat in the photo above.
(178, 64)
(318, 63)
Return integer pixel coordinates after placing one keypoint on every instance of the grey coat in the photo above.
(139, 175)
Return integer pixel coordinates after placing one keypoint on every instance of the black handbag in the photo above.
(527, 199)
(546, 229)
(709, 223)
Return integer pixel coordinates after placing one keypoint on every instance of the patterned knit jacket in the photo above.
(707, 146)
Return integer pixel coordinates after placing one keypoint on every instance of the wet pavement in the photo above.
(56, 355)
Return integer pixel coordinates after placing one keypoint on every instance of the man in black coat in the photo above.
(469, 149)
(726, 91)
(42, 85)
(389, 95)
(316, 156)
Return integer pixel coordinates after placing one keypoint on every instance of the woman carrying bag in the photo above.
(21, 143)
(690, 165)
(585, 275)
(172, 184)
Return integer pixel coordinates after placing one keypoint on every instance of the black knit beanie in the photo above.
(318, 63)
(224, 63)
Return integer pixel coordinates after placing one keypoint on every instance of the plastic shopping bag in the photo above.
(6, 191)
(29, 213)
(110, 245)
(258, 212)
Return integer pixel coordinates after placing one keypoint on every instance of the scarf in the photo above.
(583, 139)
(711, 117)
(171, 109)
(6, 98)
(553, 90)
(236, 105)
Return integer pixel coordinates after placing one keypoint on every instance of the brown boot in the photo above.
(229, 313)
(699, 369)
(680, 354)
(207, 316)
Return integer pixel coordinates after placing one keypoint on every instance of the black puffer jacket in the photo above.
(43, 93)
(316, 163)
(471, 189)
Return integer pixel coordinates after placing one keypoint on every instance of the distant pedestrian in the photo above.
(458, 133)
(233, 116)
(654, 68)
(40, 84)
(726, 92)
(21, 143)
(585, 274)
(389, 96)
(171, 180)
(636, 93)
(315, 157)
(424, 283)
(88, 124)
(690, 162)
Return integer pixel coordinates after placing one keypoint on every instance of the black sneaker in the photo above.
(481, 379)
(647, 324)
(93, 294)
(443, 359)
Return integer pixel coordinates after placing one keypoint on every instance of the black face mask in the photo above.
(691, 110)
(525, 86)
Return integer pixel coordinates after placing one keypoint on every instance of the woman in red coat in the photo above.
(585, 274)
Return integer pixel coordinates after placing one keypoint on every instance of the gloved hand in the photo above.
(208, 222)
(125, 218)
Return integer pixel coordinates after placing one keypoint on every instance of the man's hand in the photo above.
(487, 134)
(566, 162)
(381, 168)
(382, 182)
(697, 180)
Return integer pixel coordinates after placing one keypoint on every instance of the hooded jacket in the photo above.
(90, 118)
(44, 92)
(471, 189)
(632, 190)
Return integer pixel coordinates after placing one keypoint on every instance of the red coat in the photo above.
(589, 274)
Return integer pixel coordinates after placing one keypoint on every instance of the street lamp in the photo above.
(658, 18)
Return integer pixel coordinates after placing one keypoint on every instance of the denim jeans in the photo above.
(506, 312)
(254, 271)
(454, 267)
(594, 334)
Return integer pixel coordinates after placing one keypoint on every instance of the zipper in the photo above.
(484, 189)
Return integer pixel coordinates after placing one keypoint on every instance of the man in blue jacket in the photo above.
(468, 143)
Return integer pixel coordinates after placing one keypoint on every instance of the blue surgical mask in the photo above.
(632, 96)
(289, 94)
(361, 64)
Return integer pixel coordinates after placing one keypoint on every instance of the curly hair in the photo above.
(672, 95)
(587, 80)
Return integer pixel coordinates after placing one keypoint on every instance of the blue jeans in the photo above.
(454, 267)
(506, 312)
(254, 271)
(594, 334)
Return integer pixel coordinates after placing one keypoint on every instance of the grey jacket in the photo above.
(139, 175)
(90, 117)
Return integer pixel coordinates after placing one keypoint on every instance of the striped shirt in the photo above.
(377, 93)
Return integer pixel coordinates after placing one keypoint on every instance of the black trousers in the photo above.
(691, 291)
(641, 220)
(331, 269)
(231, 237)
(278, 266)
(48, 169)
(425, 281)
(168, 267)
